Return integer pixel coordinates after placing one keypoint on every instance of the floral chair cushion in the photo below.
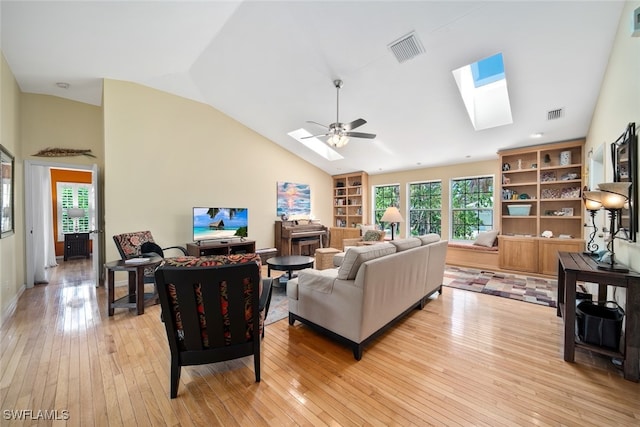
(130, 244)
(190, 261)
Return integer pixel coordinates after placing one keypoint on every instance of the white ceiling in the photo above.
(271, 65)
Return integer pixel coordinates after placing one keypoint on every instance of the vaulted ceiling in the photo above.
(271, 65)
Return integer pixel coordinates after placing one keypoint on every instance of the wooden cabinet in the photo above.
(76, 245)
(338, 234)
(540, 190)
(222, 247)
(518, 253)
(350, 199)
(548, 253)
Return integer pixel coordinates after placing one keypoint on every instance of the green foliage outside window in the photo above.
(70, 200)
(425, 208)
(471, 207)
(385, 196)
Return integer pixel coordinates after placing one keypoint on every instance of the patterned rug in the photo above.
(279, 307)
(535, 290)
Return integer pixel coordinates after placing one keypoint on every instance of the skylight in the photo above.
(315, 144)
(483, 87)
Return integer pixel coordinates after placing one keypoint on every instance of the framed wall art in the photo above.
(293, 199)
(7, 171)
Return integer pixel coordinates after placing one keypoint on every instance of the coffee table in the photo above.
(289, 264)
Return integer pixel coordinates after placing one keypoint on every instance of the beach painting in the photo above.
(293, 199)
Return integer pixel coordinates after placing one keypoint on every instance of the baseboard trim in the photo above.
(11, 307)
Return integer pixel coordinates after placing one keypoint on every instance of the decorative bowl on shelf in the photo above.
(519, 210)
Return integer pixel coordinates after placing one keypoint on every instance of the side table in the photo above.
(575, 266)
(136, 297)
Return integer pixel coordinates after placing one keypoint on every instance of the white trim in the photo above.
(11, 307)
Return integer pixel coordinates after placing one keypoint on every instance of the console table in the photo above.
(573, 267)
(76, 245)
(222, 247)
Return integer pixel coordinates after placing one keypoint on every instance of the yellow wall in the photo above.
(619, 104)
(444, 174)
(165, 154)
(12, 265)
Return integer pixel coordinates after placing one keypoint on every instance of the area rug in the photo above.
(535, 290)
(279, 307)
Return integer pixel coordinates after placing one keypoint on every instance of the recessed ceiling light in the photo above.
(537, 135)
(63, 85)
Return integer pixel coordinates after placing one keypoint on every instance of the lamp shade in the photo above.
(392, 214)
(591, 200)
(76, 213)
(614, 195)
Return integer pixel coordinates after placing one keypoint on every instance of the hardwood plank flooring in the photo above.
(465, 359)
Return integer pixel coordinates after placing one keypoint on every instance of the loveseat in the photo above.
(373, 287)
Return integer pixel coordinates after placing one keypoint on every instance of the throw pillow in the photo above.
(372, 236)
(486, 238)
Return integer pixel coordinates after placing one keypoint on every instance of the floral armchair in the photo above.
(213, 309)
(139, 243)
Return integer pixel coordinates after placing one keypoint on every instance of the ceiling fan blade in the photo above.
(354, 124)
(361, 135)
(314, 136)
(319, 124)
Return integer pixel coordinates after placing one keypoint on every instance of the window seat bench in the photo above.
(469, 255)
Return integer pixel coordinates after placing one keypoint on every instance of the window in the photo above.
(425, 208)
(385, 196)
(72, 195)
(471, 207)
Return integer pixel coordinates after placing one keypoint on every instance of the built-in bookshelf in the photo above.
(350, 201)
(540, 194)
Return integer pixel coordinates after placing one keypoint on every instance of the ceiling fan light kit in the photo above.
(338, 133)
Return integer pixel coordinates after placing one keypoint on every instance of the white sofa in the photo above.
(372, 288)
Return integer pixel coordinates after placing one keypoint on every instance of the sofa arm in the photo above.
(318, 280)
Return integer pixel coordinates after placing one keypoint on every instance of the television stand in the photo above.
(231, 246)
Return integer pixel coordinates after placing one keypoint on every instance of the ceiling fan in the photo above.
(337, 132)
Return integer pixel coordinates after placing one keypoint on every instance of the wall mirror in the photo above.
(6, 195)
(624, 154)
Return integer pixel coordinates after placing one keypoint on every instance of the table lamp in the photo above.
(75, 214)
(392, 215)
(593, 205)
(612, 196)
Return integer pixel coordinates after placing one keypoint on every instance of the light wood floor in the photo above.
(466, 359)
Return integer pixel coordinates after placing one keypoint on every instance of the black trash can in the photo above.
(600, 323)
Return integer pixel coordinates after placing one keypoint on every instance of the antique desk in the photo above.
(136, 297)
(573, 267)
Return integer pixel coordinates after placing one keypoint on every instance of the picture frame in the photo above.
(567, 211)
(7, 178)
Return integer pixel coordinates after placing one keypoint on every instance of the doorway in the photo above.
(39, 231)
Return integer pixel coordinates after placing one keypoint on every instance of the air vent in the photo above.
(406, 48)
(555, 114)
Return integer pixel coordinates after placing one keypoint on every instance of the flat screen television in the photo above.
(219, 223)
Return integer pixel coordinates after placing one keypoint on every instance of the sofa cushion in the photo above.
(486, 238)
(404, 244)
(354, 257)
(429, 238)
